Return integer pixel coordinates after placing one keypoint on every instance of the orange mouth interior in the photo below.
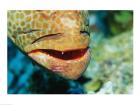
(65, 55)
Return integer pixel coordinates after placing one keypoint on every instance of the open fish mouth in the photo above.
(64, 55)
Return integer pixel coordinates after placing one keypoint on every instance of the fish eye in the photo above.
(84, 32)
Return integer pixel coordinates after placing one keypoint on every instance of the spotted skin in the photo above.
(57, 30)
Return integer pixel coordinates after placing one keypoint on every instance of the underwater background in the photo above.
(110, 70)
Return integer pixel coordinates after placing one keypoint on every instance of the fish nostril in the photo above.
(84, 32)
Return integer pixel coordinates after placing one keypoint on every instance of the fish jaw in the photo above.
(69, 69)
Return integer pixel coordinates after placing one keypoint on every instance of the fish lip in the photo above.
(72, 54)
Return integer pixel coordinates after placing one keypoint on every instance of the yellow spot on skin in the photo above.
(27, 12)
(67, 22)
(28, 19)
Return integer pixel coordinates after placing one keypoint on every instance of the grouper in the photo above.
(58, 40)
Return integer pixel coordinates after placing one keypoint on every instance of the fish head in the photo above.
(56, 39)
